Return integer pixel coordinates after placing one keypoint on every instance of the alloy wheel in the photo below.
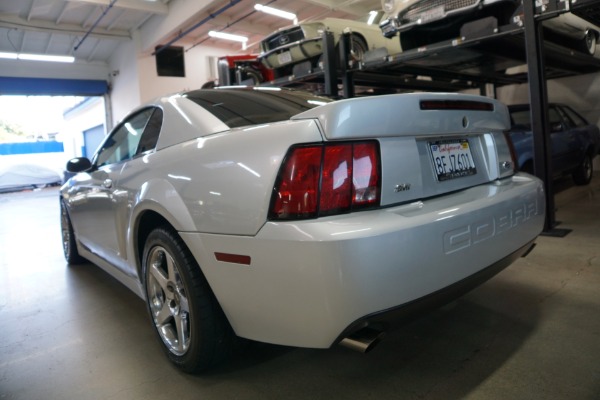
(168, 301)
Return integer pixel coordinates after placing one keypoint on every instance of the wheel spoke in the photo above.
(158, 275)
(163, 315)
(171, 268)
(181, 325)
(183, 304)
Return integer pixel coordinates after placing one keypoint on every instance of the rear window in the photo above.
(251, 106)
(520, 119)
(575, 119)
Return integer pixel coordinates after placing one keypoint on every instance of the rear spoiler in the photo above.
(409, 115)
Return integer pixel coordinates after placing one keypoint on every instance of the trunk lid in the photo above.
(430, 144)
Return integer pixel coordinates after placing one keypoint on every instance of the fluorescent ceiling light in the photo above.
(275, 11)
(228, 36)
(372, 16)
(44, 57)
(37, 57)
(10, 56)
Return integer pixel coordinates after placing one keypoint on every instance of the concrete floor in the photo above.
(532, 332)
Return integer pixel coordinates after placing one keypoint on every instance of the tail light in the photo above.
(327, 179)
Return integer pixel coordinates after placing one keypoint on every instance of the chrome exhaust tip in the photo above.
(363, 340)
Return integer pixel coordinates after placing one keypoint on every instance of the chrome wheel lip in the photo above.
(590, 41)
(588, 167)
(167, 301)
(66, 234)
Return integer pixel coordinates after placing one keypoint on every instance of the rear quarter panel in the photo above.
(220, 183)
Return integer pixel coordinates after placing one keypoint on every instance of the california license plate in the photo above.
(284, 58)
(452, 159)
(433, 14)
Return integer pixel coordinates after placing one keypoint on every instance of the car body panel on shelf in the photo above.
(294, 44)
(407, 14)
(434, 20)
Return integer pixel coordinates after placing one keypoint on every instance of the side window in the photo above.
(123, 142)
(151, 133)
(520, 119)
(556, 123)
(577, 119)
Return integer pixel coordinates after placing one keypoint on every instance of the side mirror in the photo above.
(556, 127)
(79, 164)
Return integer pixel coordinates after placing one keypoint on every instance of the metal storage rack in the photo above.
(484, 55)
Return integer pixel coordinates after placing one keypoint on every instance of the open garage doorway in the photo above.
(43, 124)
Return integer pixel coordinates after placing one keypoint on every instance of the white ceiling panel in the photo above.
(57, 27)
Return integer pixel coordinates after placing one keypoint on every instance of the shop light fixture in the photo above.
(37, 57)
(229, 36)
(277, 12)
(372, 16)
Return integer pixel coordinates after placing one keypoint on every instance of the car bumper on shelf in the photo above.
(298, 51)
(309, 283)
(390, 27)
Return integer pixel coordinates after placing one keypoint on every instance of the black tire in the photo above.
(584, 173)
(589, 42)
(191, 327)
(68, 237)
(358, 47)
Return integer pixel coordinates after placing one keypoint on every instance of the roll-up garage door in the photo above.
(52, 87)
(92, 139)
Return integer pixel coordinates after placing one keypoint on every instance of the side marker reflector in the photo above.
(233, 258)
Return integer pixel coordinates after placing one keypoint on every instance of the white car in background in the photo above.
(283, 217)
(430, 21)
(294, 44)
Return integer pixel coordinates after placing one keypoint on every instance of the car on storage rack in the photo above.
(423, 22)
(243, 69)
(291, 45)
(575, 142)
(282, 217)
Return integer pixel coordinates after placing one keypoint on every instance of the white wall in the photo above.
(79, 119)
(197, 72)
(134, 80)
(124, 80)
(32, 69)
(158, 29)
(580, 92)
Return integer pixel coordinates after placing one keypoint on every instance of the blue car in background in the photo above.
(575, 142)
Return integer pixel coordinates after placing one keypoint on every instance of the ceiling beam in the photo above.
(353, 7)
(154, 7)
(13, 22)
(30, 12)
(224, 23)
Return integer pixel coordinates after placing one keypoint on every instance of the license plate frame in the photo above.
(452, 158)
(284, 57)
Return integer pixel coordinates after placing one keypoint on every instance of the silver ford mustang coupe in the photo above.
(282, 217)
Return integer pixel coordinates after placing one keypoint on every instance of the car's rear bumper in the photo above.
(306, 283)
(396, 316)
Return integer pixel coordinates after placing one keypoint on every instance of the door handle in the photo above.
(107, 183)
